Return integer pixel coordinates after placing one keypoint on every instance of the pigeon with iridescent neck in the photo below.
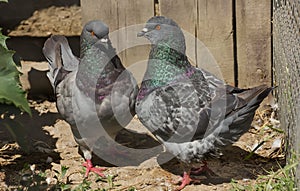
(95, 93)
(190, 111)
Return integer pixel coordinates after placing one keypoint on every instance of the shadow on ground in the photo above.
(231, 165)
(23, 142)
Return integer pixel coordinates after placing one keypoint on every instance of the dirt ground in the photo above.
(31, 156)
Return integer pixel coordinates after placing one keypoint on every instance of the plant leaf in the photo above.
(63, 170)
(11, 92)
(2, 38)
(10, 89)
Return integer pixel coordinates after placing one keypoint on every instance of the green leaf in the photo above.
(4, 1)
(7, 62)
(2, 39)
(63, 170)
(10, 89)
(11, 92)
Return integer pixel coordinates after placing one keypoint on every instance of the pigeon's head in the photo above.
(160, 29)
(95, 31)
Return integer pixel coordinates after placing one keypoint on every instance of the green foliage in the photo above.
(110, 180)
(60, 176)
(83, 186)
(10, 89)
(281, 180)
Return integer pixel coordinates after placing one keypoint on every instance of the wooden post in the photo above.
(253, 24)
(214, 29)
(184, 13)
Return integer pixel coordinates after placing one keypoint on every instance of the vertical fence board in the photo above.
(214, 29)
(184, 13)
(119, 14)
(253, 42)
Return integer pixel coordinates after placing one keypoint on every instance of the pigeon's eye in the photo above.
(92, 33)
(157, 27)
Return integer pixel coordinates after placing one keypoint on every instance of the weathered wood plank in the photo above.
(253, 42)
(119, 14)
(184, 13)
(214, 29)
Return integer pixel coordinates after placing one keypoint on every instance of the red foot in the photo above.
(186, 180)
(89, 168)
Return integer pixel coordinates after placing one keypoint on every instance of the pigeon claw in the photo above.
(186, 180)
(90, 168)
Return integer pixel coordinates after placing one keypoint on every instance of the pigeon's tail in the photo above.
(240, 121)
(254, 97)
(60, 58)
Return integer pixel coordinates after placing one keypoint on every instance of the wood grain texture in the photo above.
(184, 13)
(253, 42)
(214, 29)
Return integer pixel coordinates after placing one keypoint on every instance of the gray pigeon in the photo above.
(190, 111)
(95, 94)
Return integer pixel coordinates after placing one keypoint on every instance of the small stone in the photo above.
(32, 167)
(276, 144)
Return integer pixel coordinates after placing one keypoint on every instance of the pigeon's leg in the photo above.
(90, 168)
(88, 163)
(186, 180)
(202, 169)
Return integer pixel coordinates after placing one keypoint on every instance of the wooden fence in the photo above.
(237, 32)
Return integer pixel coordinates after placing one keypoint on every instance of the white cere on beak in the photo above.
(104, 40)
(145, 30)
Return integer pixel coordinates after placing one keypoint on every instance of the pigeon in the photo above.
(190, 111)
(95, 93)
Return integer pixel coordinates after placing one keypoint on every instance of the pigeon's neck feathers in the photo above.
(166, 63)
(99, 67)
(165, 66)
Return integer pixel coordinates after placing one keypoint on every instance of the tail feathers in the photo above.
(240, 121)
(255, 96)
(60, 58)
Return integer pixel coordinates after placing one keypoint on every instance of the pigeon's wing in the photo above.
(218, 124)
(60, 58)
(172, 112)
(62, 69)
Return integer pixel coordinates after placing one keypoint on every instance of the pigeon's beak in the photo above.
(104, 41)
(142, 33)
